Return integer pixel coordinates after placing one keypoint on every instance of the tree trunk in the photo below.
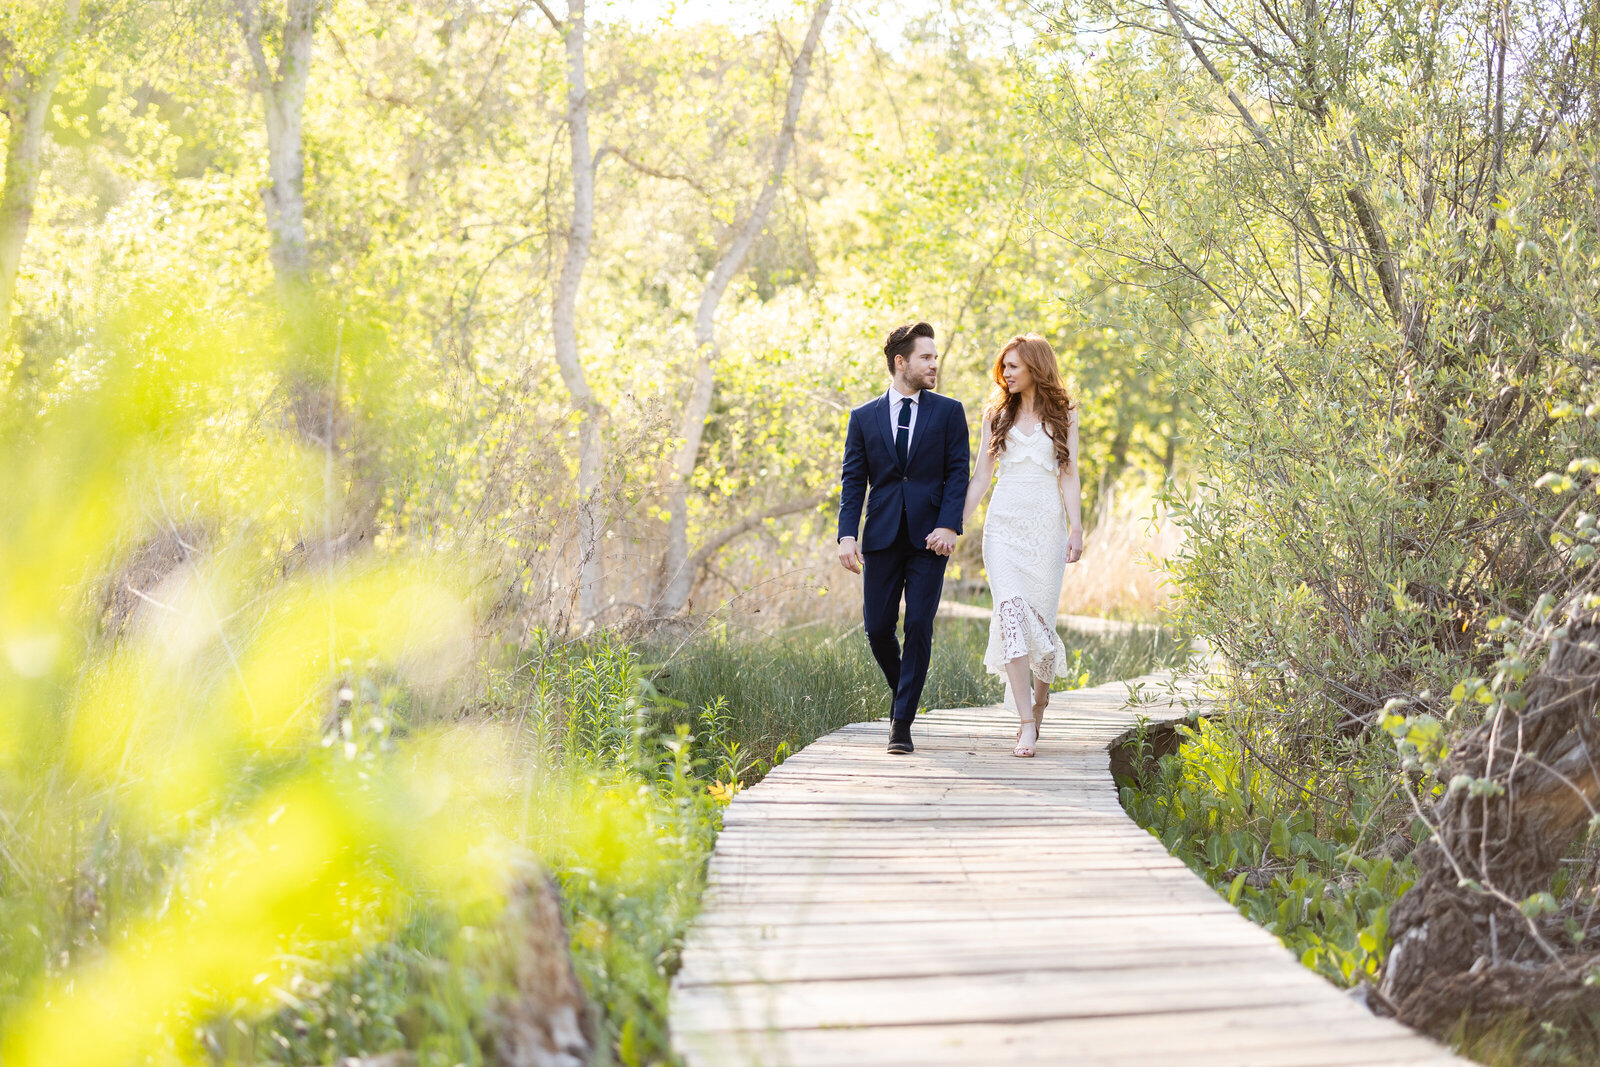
(1461, 943)
(564, 323)
(285, 195)
(27, 108)
(283, 96)
(312, 374)
(677, 573)
(1120, 443)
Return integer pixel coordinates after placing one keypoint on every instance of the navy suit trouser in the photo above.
(918, 573)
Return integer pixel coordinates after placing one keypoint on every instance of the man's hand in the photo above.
(1075, 544)
(850, 555)
(942, 541)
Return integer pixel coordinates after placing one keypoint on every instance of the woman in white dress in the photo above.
(1034, 527)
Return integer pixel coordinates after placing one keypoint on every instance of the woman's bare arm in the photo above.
(981, 478)
(1072, 493)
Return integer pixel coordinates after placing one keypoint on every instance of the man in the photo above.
(910, 446)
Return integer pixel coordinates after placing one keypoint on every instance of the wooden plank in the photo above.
(1262, 1036)
(1016, 996)
(953, 927)
(963, 906)
(890, 961)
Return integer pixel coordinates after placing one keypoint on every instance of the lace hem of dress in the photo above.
(1026, 632)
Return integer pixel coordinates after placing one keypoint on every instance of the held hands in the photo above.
(1075, 544)
(942, 541)
(850, 555)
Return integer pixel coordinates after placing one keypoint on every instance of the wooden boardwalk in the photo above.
(960, 906)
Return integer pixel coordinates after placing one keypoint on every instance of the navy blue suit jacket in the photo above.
(930, 491)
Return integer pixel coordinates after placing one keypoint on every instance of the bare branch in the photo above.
(1372, 229)
(654, 172)
(1268, 145)
(717, 542)
(551, 15)
(250, 29)
(733, 261)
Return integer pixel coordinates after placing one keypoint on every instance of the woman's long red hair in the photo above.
(1050, 396)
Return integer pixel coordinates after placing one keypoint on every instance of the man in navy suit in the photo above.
(910, 447)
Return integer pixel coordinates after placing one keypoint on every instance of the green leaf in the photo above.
(1236, 888)
(1539, 904)
(1556, 483)
(1280, 838)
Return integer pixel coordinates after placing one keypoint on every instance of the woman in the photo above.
(1033, 529)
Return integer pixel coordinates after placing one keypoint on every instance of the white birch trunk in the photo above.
(283, 97)
(27, 109)
(564, 323)
(678, 567)
(312, 372)
(286, 171)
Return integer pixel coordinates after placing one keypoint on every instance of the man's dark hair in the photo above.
(902, 339)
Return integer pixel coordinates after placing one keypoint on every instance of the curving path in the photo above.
(959, 906)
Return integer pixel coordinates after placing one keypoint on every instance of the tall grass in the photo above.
(783, 691)
(1120, 576)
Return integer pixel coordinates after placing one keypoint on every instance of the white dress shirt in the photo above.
(896, 398)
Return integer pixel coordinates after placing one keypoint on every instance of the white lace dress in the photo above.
(1025, 553)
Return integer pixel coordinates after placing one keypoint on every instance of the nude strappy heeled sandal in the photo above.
(1022, 751)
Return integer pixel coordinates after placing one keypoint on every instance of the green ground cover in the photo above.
(1314, 857)
(1315, 846)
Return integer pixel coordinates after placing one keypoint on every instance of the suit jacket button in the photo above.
(905, 477)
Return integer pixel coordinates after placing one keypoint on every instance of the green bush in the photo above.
(1301, 863)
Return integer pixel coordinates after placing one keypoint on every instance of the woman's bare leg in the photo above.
(1021, 680)
(1041, 700)
(1022, 692)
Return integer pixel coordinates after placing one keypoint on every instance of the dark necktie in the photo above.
(902, 434)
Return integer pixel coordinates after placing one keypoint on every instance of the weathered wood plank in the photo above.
(1237, 1037)
(960, 906)
(1017, 996)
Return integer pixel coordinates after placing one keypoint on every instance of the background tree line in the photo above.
(626, 276)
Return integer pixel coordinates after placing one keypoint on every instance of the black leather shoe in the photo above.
(900, 737)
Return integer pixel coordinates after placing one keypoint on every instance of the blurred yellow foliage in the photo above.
(212, 720)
